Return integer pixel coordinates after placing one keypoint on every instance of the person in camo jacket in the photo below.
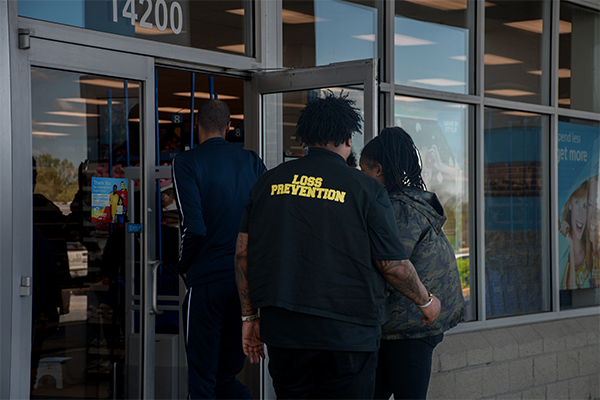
(404, 364)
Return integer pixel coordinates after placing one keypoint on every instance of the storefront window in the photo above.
(517, 272)
(579, 213)
(321, 32)
(516, 56)
(440, 132)
(432, 44)
(208, 24)
(579, 58)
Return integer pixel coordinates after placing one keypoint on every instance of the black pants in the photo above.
(404, 367)
(322, 374)
(211, 315)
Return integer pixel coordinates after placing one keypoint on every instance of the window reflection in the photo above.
(322, 32)
(432, 44)
(440, 132)
(85, 130)
(578, 206)
(517, 278)
(208, 24)
(515, 72)
(579, 59)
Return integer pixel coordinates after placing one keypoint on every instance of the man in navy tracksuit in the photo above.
(212, 183)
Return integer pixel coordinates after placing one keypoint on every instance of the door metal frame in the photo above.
(69, 57)
(361, 72)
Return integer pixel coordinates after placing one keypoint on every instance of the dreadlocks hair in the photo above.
(395, 150)
(213, 116)
(328, 119)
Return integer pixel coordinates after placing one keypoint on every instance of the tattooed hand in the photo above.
(402, 276)
(253, 347)
(431, 312)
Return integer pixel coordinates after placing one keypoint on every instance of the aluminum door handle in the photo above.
(155, 265)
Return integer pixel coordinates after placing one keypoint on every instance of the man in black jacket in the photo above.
(317, 243)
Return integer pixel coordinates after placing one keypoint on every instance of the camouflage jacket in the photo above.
(420, 218)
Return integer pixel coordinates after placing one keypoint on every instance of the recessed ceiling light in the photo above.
(160, 121)
(438, 82)
(73, 114)
(459, 58)
(153, 32)
(509, 92)
(287, 16)
(537, 26)
(492, 59)
(521, 113)
(237, 11)
(206, 95)
(95, 102)
(446, 5)
(235, 48)
(236, 116)
(41, 133)
(109, 83)
(175, 110)
(562, 72)
(294, 17)
(399, 40)
(564, 102)
(56, 124)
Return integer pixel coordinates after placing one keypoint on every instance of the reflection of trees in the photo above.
(56, 178)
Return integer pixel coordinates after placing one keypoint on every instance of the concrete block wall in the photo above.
(548, 360)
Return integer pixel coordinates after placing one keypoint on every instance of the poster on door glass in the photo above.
(578, 195)
(109, 200)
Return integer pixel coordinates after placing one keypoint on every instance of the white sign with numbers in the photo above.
(164, 16)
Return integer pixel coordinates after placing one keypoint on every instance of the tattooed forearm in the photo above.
(241, 273)
(402, 276)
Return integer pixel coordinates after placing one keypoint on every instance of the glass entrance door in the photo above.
(94, 265)
(283, 94)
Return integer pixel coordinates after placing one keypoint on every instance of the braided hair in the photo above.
(395, 150)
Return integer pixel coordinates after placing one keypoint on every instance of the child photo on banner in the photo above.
(578, 195)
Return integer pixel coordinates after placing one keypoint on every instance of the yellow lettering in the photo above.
(310, 192)
(330, 194)
(303, 179)
(273, 189)
(320, 192)
(287, 188)
(302, 191)
(318, 182)
(295, 190)
(339, 196)
(311, 181)
(295, 181)
(280, 188)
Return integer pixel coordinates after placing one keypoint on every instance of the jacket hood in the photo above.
(427, 203)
